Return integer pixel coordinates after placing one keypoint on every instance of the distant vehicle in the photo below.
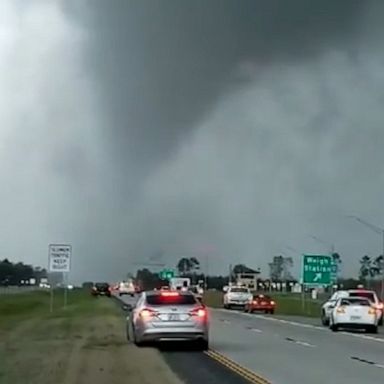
(168, 315)
(262, 303)
(164, 288)
(354, 313)
(180, 283)
(126, 288)
(236, 297)
(101, 289)
(327, 307)
(370, 295)
(197, 291)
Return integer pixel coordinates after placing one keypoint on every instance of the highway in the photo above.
(290, 352)
(294, 350)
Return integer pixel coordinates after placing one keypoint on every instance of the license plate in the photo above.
(173, 317)
(355, 317)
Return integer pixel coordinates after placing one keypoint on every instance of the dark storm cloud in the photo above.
(219, 129)
(160, 65)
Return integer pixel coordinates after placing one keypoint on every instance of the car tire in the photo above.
(203, 345)
(137, 342)
(334, 327)
(373, 329)
(324, 320)
(380, 320)
(272, 311)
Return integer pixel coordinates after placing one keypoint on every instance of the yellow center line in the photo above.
(247, 374)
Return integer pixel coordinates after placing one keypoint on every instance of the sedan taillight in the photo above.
(371, 311)
(199, 312)
(147, 313)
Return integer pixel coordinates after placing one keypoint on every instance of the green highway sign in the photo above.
(317, 270)
(167, 274)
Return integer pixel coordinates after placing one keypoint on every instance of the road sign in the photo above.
(167, 274)
(316, 270)
(59, 258)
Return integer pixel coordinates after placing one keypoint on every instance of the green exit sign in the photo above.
(167, 274)
(317, 270)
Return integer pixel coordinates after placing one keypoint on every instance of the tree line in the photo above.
(19, 273)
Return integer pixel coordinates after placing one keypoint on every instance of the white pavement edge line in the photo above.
(305, 344)
(302, 325)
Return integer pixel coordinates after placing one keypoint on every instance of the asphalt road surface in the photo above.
(193, 366)
(289, 351)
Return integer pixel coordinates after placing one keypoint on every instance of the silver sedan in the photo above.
(168, 316)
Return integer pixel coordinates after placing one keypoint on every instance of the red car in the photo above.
(260, 303)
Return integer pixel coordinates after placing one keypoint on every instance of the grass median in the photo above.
(83, 343)
(286, 304)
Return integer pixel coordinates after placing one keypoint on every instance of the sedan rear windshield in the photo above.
(262, 297)
(239, 290)
(171, 300)
(102, 285)
(368, 295)
(355, 301)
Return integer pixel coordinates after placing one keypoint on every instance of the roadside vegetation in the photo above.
(80, 344)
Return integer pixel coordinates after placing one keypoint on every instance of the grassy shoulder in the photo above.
(80, 344)
(287, 304)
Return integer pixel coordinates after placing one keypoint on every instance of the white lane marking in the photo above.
(299, 342)
(225, 321)
(360, 336)
(305, 344)
(296, 324)
(256, 330)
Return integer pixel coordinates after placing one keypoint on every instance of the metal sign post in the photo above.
(59, 261)
(65, 281)
(51, 299)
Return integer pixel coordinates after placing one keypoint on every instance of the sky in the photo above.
(156, 129)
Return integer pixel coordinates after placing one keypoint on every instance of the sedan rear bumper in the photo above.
(261, 307)
(165, 334)
(356, 325)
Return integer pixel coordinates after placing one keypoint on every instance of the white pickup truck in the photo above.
(236, 297)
